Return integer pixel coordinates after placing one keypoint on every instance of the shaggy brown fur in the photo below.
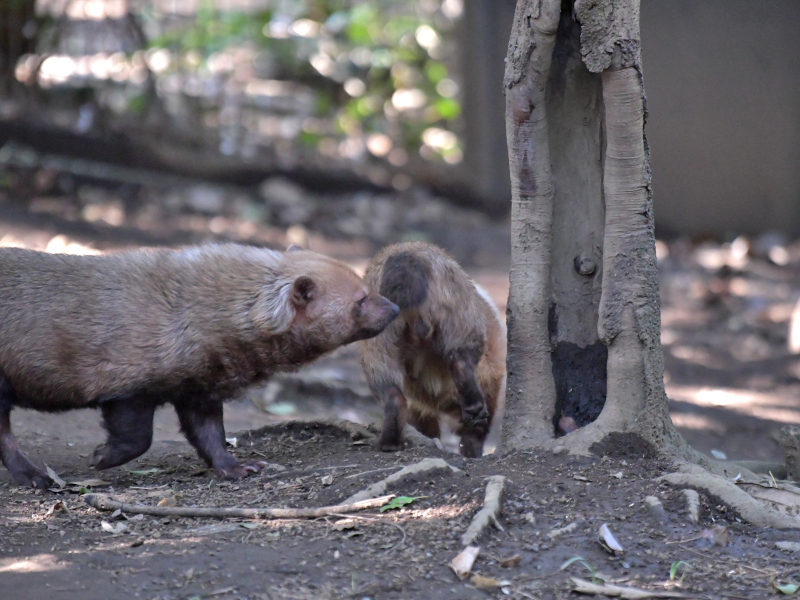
(126, 332)
(444, 358)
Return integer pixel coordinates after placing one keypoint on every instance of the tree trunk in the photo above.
(583, 311)
(584, 316)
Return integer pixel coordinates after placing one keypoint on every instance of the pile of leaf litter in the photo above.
(537, 526)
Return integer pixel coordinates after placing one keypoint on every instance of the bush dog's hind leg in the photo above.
(475, 418)
(395, 416)
(202, 424)
(129, 423)
(24, 472)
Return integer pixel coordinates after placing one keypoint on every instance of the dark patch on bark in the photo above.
(552, 323)
(580, 378)
(624, 445)
(568, 41)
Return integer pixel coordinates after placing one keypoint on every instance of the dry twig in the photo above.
(104, 502)
(606, 589)
(423, 466)
(489, 512)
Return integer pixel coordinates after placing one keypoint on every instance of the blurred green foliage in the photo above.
(379, 70)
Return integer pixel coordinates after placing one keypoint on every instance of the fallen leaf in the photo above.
(399, 502)
(717, 535)
(618, 475)
(786, 588)
(511, 561)
(60, 483)
(343, 524)
(485, 583)
(60, 506)
(608, 541)
(115, 529)
(462, 564)
(168, 501)
(151, 471)
(327, 479)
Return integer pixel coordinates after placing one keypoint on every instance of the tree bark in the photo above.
(584, 309)
(580, 172)
(530, 395)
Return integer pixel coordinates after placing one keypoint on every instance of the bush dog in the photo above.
(129, 331)
(444, 357)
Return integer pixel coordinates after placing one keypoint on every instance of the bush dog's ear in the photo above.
(294, 248)
(303, 291)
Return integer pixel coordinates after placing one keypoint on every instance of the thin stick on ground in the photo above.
(104, 502)
(489, 512)
(370, 472)
(582, 586)
(424, 466)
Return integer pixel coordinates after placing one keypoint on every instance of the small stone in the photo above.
(584, 265)
(789, 546)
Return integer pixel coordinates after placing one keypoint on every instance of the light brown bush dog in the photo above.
(127, 332)
(444, 357)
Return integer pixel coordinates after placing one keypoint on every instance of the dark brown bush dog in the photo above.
(130, 331)
(444, 358)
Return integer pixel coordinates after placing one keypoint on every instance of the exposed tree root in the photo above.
(692, 505)
(427, 465)
(489, 513)
(789, 440)
(105, 502)
(418, 439)
(771, 469)
(755, 500)
(750, 509)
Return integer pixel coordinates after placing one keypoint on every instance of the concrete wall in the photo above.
(485, 29)
(723, 84)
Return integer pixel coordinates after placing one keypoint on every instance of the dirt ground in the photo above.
(730, 380)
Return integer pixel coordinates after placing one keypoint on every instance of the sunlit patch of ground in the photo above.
(32, 564)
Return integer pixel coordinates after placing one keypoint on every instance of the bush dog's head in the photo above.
(325, 301)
